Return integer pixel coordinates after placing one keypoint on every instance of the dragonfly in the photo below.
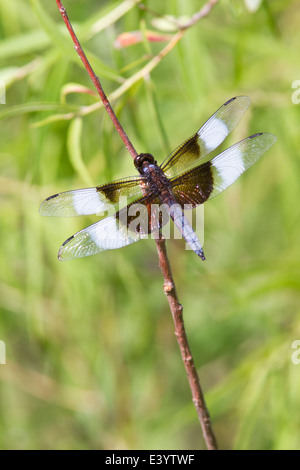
(185, 179)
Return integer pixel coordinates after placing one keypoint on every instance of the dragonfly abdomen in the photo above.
(185, 228)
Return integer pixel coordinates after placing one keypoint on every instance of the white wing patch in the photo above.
(107, 234)
(214, 134)
(72, 203)
(92, 204)
(230, 169)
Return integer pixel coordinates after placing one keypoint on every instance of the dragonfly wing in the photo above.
(92, 200)
(107, 234)
(208, 137)
(127, 226)
(230, 164)
(211, 178)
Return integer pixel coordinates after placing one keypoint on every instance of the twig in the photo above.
(205, 10)
(177, 313)
(169, 285)
(96, 82)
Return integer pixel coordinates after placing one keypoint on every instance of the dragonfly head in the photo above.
(143, 160)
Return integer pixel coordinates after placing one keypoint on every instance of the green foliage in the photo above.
(92, 361)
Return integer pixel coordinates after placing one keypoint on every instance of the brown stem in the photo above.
(177, 313)
(169, 285)
(96, 82)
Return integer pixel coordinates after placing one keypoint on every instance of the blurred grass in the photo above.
(92, 361)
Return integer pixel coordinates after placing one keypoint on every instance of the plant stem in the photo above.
(96, 82)
(177, 313)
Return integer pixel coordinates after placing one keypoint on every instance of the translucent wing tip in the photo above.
(246, 99)
(268, 138)
(63, 254)
(46, 207)
(272, 138)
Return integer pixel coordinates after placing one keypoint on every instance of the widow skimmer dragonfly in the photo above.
(175, 183)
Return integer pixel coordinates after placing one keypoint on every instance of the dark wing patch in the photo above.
(211, 178)
(195, 186)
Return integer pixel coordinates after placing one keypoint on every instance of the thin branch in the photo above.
(177, 313)
(205, 10)
(169, 285)
(96, 82)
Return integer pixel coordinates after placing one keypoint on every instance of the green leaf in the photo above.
(74, 148)
(26, 43)
(25, 108)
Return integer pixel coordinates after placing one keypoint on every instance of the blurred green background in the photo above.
(92, 360)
